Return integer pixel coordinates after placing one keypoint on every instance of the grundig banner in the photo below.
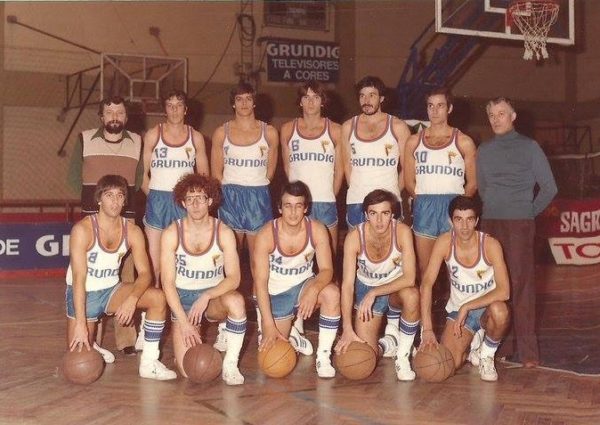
(299, 61)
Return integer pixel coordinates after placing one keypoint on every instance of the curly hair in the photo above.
(198, 183)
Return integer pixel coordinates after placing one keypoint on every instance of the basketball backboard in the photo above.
(487, 18)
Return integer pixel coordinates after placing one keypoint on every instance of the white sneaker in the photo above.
(300, 343)
(139, 342)
(473, 356)
(154, 369)
(403, 370)
(106, 355)
(231, 374)
(487, 369)
(221, 341)
(389, 342)
(324, 367)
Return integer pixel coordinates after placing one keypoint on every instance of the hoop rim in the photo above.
(520, 6)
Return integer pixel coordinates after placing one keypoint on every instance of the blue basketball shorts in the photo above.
(245, 208)
(161, 209)
(430, 215)
(96, 302)
(355, 214)
(325, 212)
(285, 304)
(380, 306)
(473, 320)
(188, 297)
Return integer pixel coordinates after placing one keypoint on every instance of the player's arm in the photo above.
(346, 149)
(201, 158)
(286, 135)
(169, 241)
(469, 152)
(79, 243)
(410, 179)
(137, 244)
(262, 248)
(216, 153)
(335, 131)
(351, 252)
(311, 291)
(150, 140)
(232, 274)
(273, 140)
(439, 252)
(405, 241)
(402, 133)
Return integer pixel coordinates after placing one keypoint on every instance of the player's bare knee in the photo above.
(156, 300)
(234, 303)
(410, 300)
(330, 296)
(499, 313)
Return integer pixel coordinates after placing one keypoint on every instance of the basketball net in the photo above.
(534, 18)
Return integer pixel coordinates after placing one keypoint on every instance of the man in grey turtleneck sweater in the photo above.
(509, 166)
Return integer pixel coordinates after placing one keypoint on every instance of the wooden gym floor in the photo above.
(32, 390)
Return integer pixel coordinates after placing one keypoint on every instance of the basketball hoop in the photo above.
(534, 19)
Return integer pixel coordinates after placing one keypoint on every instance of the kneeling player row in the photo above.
(201, 272)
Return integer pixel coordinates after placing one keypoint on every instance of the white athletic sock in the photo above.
(152, 332)
(299, 324)
(328, 327)
(489, 347)
(236, 329)
(393, 316)
(408, 330)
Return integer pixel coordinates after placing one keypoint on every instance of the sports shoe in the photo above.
(231, 374)
(154, 369)
(221, 341)
(487, 369)
(106, 355)
(403, 370)
(389, 342)
(324, 367)
(300, 343)
(473, 356)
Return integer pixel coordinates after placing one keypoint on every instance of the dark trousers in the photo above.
(517, 238)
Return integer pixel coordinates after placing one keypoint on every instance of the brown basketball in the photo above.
(358, 362)
(82, 367)
(279, 360)
(202, 363)
(434, 364)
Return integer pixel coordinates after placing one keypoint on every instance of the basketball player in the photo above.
(372, 149)
(243, 159)
(286, 249)
(439, 164)
(171, 149)
(97, 245)
(201, 271)
(479, 289)
(311, 154)
(509, 168)
(109, 149)
(379, 273)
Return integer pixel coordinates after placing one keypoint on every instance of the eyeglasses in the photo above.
(201, 199)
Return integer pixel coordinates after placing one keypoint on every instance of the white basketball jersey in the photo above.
(468, 282)
(439, 170)
(374, 164)
(170, 162)
(102, 265)
(246, 165)
(312, 162)
(287, 271)
(376, 273)
(199, 271)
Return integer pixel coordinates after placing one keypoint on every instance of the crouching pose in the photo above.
(98, 244)
(201, 272)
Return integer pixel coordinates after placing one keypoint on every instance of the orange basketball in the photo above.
(434, 364)
(82, 367)
(279, 360)
(202, 363)
(358, 362)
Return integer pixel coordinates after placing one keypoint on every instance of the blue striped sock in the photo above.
(153, 330)
(393, 315)
(236, 326)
